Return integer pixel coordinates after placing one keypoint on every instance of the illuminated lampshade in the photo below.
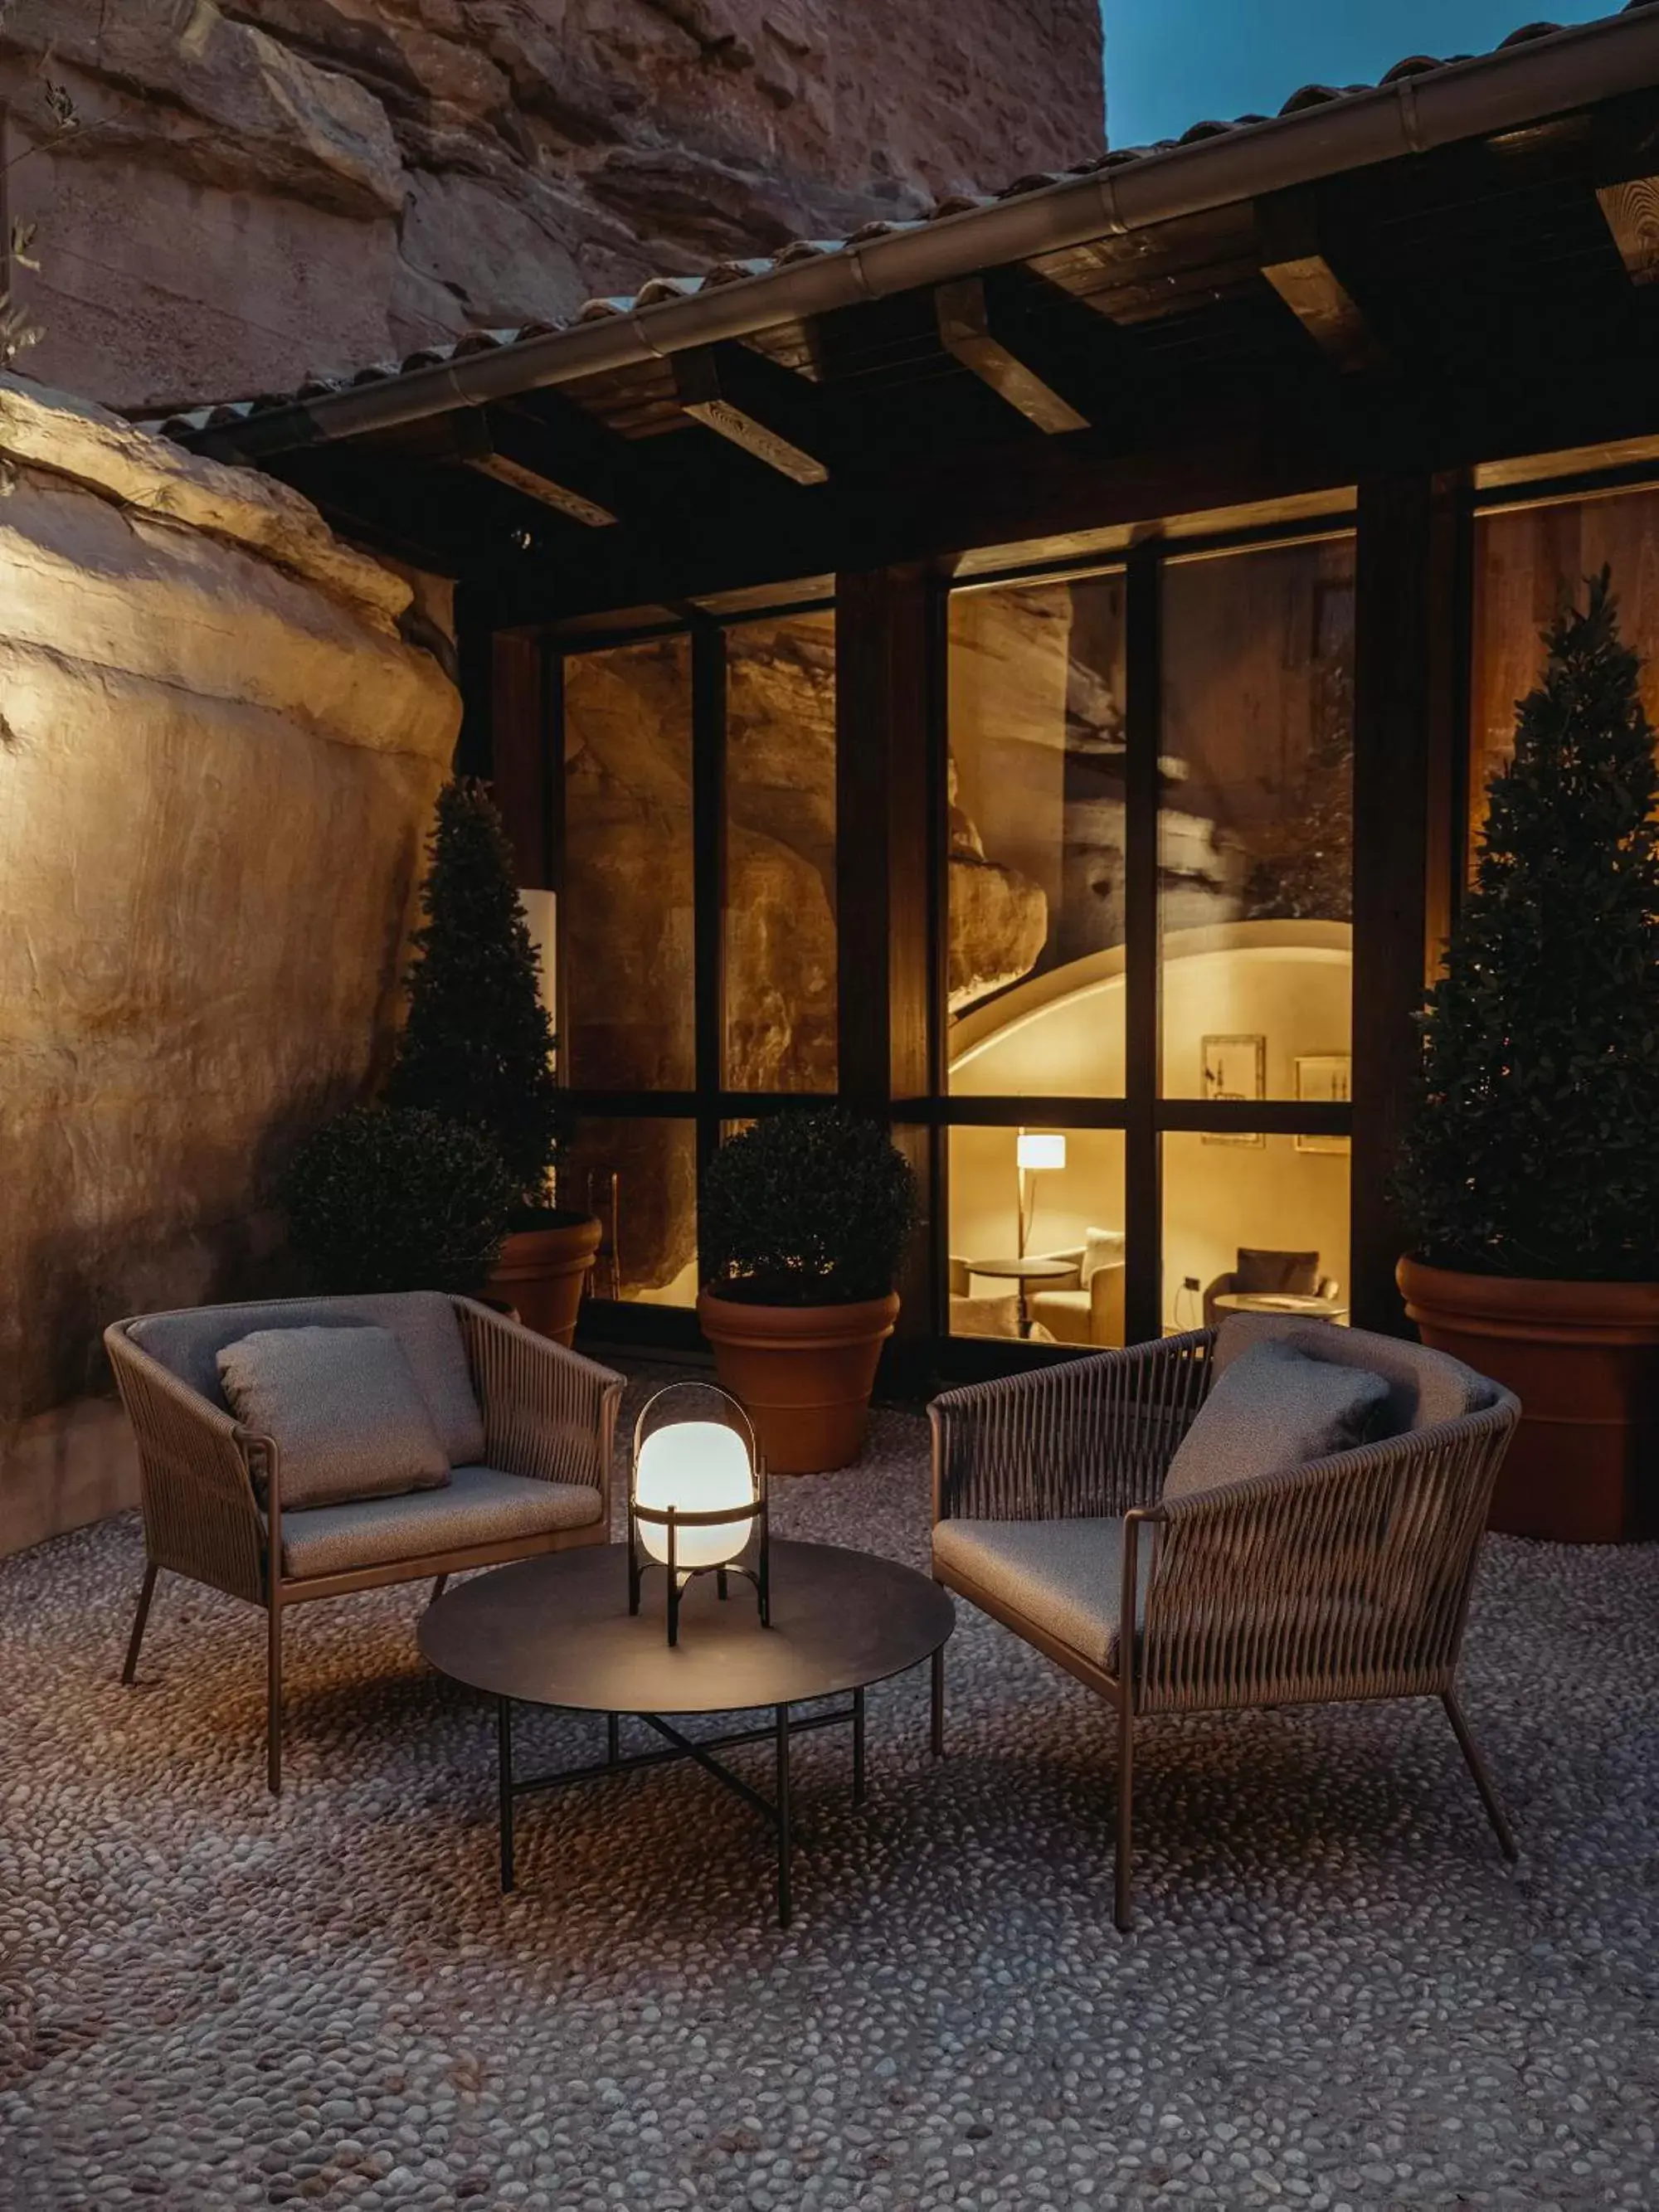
(1040, 1148)
(697, 1502)
(695, 1466)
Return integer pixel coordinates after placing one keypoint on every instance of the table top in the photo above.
(1024, 1271)
(1286, 1302)
(557, 1631)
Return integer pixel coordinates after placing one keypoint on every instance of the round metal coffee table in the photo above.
(557, 1631)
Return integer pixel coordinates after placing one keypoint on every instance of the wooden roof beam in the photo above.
(768, 412)
(553, 464)
(975, 331)
(1295, 262)
(1631, 210)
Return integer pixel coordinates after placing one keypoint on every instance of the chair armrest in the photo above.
(547, 1412)
(196, 1470)
(1108, 1289)
(1348, 1577)
(1089, 1436)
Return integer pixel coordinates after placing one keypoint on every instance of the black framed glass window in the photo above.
(696, 875)
(780, 961)
(1034, 841)
(627, 929)
(1157, 760)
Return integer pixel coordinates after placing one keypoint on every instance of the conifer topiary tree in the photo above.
(478, 1044)
(1534, 1144)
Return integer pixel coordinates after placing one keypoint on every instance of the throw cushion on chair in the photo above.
(344, 1408)
(1425, 1387)
(1274, 1409)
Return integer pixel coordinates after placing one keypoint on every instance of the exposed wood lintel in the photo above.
(965, 330)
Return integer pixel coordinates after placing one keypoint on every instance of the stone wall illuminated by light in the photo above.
(217, 762)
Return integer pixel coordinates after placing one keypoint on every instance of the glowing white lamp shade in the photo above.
(695, 1466)
(1040, 1148)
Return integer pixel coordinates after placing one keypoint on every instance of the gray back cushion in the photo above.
(1424, 1387)
(343, 1407)
(188, 1344)
(1272, 1410)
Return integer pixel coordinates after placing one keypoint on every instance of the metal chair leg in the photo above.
(1123, 1911)
(1483, 1781)
(147, 1591)
(274, 1697)
(437, 1589)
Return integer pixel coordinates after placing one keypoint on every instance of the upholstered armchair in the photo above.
(526, 1424)
(1087, 1309)
(1268, 1275)
(1347, 1577)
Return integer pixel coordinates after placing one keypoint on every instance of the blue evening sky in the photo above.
(1172, 63)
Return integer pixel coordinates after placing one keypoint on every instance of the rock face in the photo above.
(217, 762)
(264, 189)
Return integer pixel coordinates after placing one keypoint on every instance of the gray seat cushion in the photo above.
(1425, 1387)
(343, 1407)
(188, 1344)
(1271, 1409)
(1064, 1577)
(478, 1505)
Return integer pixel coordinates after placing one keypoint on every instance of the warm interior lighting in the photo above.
(1040, 1149)
(695, 1466)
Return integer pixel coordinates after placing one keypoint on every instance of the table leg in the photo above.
(613, 1737)
(785, 1903)
(857, 1749)
(504, 1785)
(938, 1702)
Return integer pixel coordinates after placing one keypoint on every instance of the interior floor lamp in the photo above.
(1036, 1151)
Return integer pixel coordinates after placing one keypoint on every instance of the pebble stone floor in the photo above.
(1336, 1994)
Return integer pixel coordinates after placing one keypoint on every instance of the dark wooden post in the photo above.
(508, 737)
(885, 804)
(1143, 1150)
(1410, 720)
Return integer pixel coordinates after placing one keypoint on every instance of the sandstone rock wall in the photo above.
(262, 188)
(217, 760)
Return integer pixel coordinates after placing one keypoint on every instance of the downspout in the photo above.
(1502, 91)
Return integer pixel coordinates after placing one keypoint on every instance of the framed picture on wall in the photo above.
(1234, 1070)
(1324, 1078)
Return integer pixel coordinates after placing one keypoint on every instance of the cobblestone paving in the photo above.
(1337, 1994)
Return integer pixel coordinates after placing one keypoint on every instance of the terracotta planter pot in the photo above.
(541, 1273)
(804, 1374)
(1584, 1360)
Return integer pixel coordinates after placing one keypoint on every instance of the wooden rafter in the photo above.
(1295, 263)
(554, 464)
(1632, 215)
(974, 335)
(745, 398)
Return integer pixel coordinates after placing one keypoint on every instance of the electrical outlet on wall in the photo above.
(1190, 1283)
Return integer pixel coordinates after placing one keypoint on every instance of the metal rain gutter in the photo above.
(1491, 92)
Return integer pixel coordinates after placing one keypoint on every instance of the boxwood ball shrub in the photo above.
(806, 1209)
(396, 1199)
